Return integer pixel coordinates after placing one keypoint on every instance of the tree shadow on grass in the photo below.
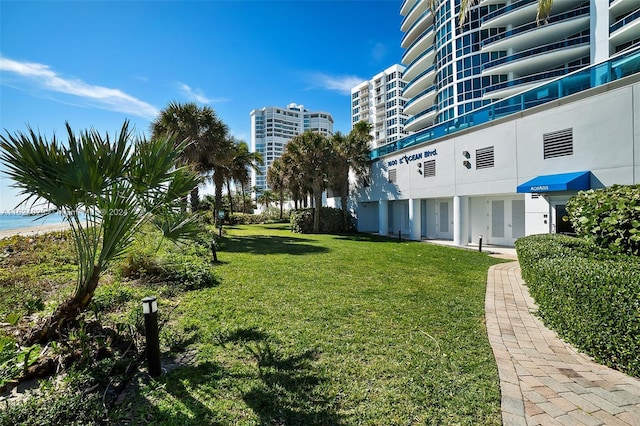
(280, 388)
(371, 238)
(256, 244)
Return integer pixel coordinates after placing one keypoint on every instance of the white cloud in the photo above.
(378, 51)
(198, 95)
(96, 96)
(342, 84)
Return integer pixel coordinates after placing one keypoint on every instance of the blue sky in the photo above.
(97, 63)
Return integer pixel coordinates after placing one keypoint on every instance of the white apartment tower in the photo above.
(273, 127)
(379, 101)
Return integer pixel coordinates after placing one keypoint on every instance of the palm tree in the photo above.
(311, 151)
(277, 180)
(350, 154)
(292, 176)
(544, 9)
(201, 127)
(220, 161)
(241, 162)
(266, 198)
(107, 191)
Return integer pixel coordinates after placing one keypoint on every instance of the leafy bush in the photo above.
(64, 404)
(331, 221)
(189, 275)
(270, 215)
(15, 360)
(610, 217)
(590, 297)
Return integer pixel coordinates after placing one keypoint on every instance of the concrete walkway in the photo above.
(543, 380)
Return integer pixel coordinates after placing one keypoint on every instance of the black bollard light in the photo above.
(400, 236)
(150, 311)
(480, 244)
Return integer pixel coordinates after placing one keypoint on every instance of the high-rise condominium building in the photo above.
(511, 118)
(501, 49)
(273, 127)
(379, 102)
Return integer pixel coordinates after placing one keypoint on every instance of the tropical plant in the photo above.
(351, 154)
(107, 190)
(311, 151)
(242, 160)
(277, 180)
(202, 128)
(610, 217)
(293, 178)
(266, 198)
(220, 162)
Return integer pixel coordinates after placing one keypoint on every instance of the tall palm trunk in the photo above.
(230, 196)
(317, 201)
(218, 181)
(344, 195)
(195, 199)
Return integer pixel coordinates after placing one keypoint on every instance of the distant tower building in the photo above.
(273, 127)
(379, 101)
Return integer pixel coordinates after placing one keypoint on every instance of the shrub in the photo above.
(589, 296)
(331, 221)
(610, 217)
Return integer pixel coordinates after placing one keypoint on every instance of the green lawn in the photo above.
(320, 329)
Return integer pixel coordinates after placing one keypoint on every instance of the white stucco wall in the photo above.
(606, 141)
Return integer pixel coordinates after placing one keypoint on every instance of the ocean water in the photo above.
(17, 221)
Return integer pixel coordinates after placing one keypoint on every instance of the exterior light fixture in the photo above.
(149, 305)
(467, 164)
(150, 311)
(466, 154)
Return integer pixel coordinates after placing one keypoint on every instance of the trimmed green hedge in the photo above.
(588, 295)
(331, 221)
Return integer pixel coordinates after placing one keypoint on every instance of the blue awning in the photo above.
(576, 181)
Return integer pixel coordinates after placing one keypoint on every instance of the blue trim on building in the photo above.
(576, 181)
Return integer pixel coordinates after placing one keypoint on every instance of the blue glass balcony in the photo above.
(620, 66)
(533, 27)
(506, 9)
(625, 21)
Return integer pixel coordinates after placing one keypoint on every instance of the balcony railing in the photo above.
(409, 12)
(423, 54)
(626, 20)
(418, 77)
(533, 25)
(532, 78)
(505, 9)
(417, 97)
(417, 40)
(620, 66)
(537, 51)
(424, 14)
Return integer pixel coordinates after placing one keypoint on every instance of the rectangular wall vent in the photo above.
(392, 175)
(484, 158)
(429, 168)
(558, 144)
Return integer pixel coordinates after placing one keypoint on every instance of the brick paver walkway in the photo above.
(543, 380)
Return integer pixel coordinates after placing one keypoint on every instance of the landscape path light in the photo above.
(150, 311)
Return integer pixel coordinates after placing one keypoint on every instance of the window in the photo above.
(484, 158)
(558, 144)
(392, 175)
(429, 168)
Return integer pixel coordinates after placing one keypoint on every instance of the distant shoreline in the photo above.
(28, 231)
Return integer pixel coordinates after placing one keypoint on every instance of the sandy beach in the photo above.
(33, 230)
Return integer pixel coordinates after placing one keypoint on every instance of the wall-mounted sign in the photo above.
(406, 159)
